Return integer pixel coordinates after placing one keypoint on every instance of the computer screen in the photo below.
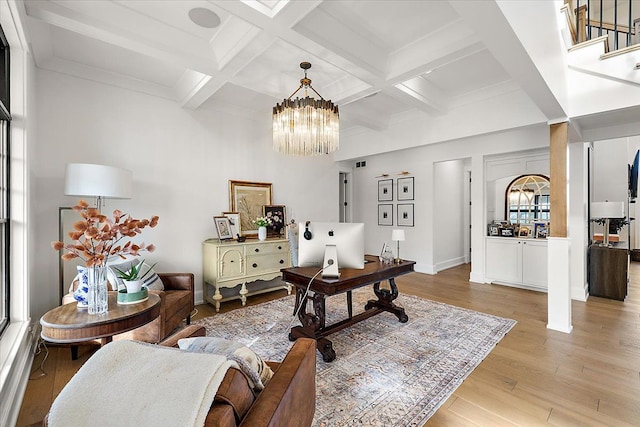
(347, 237)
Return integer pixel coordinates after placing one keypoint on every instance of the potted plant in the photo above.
(132, 278)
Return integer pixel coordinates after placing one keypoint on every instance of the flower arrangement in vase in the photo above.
(97, 237)
(262, 222)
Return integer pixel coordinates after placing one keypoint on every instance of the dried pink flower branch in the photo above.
(96, 237)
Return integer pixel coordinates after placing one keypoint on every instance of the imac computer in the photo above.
(331, 245)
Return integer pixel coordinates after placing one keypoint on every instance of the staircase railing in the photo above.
(586, 25)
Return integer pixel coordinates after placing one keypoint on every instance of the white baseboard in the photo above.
(578, 294)
(476, 277)
(425, 268)
(450, 263)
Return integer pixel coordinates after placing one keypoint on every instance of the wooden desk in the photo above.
(313, 324)
(67, 324)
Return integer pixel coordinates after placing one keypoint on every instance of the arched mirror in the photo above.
(527, 200)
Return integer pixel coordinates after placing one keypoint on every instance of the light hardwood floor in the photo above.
(534, 376)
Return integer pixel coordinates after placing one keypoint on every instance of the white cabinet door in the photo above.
(504, 260)
(534, 264)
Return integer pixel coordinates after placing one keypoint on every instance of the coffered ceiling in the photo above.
(376, 59)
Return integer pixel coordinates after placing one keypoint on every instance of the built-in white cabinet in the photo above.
(516, 262)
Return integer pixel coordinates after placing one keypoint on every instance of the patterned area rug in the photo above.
(386, 373)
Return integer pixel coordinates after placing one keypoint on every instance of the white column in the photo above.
(578, 233)
(559, 296)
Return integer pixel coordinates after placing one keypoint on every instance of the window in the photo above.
(5, 120)
(527, 200)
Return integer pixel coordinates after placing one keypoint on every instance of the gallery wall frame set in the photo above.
(385, 214)
(405, 215)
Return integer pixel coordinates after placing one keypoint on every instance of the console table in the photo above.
(313, 324)
(227, 264)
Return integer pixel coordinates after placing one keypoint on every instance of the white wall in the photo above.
(181, 161)
(421, 244)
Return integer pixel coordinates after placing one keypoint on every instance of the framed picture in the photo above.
(405, 188)
(405, 214)
(247, 199)
(234, 219)
(385, 214)
(385, 190)
(223, 226)
(524, 231)
(506, 232)
(494, 230)
(277, 213)
(540, 230)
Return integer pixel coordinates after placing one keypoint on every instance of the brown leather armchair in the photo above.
(288, 399)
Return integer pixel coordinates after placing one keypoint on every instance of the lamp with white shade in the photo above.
(607, 210)
(99, 181)
(397, 236)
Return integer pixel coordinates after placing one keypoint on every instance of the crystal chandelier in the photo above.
(307, 126)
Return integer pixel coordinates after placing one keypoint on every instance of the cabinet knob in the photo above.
(255, 265)
(257, 250)
(281, 261)
(279, 247)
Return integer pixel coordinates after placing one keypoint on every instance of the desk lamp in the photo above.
(397, 236)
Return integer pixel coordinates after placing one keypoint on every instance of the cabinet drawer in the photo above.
(267, 248)
(267, 263)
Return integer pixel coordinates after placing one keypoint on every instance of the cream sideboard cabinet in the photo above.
(517, 262)
(230, 264)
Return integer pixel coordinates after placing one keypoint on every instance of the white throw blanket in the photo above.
(129, 383)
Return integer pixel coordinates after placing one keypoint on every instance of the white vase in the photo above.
(133, 286)
(262, 233)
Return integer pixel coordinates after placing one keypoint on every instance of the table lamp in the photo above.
(607, 210)
(397, 236)
(99, 181)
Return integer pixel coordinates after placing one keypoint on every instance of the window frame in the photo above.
(5, 182)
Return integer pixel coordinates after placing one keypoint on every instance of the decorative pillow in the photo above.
(257, 371)
(151, 281)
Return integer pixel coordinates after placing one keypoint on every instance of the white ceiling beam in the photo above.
(88, 26)
(421, 94)
(507, 48)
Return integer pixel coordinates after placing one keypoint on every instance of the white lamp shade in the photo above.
(83, 179)
(397, 235)
(607, 210)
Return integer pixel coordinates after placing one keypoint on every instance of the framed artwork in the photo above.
(540, 230)
(234, 219)
(385, 214)
(277, 213)
(494, 230)
(385, 190)
(223, 226)
(405, 214)
(405, 188)
(524, 231)
(247, 199)
(506, 232)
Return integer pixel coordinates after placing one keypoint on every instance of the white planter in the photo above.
(133, 286)
(262, 233)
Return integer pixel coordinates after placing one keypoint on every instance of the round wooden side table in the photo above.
(68, 324)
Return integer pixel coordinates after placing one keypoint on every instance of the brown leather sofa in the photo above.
(288, 399)
(176, 303)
